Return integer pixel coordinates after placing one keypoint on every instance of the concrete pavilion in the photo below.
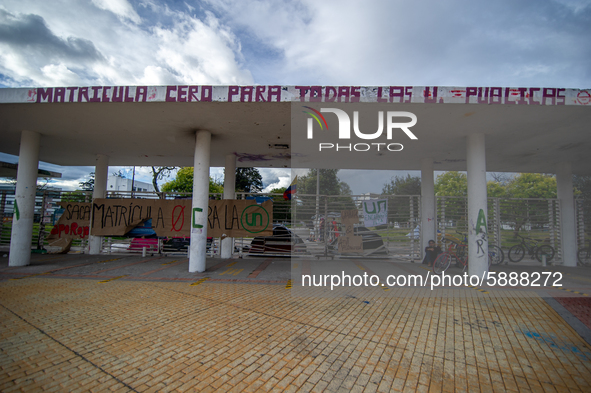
(473, 129)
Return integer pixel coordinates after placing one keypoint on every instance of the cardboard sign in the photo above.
(170, 218)
(350, 242)
(229, 217)
(74, 222)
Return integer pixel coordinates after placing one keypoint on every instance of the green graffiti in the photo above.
(481, 222)
(367, 211)
(17, 213)
(253, 222)
(195, 211)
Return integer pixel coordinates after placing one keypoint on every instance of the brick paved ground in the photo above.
(580, 307)
(78, 334)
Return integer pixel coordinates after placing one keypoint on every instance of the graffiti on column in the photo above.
(17, 213)
(197, 228)
(481, 233)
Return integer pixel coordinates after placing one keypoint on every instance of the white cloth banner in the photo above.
(375, 212)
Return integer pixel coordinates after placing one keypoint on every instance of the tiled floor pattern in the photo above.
(580, 307)
(79, 335)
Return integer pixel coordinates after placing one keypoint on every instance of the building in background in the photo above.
(118, 183)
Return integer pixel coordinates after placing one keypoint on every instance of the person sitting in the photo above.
(431, 253)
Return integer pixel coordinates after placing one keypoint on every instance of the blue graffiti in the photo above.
(555, 343)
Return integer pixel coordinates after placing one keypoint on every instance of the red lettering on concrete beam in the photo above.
(330, 94)
(193, 90)
(232, 91)
(169, 97)
(316, 94)
(246, 92)
(303, 91)
(45, 94)
(141, 91)
(274, 91)
(182, 94)
(343, 92)
(206, 93)
(258, 97)
(96, 95)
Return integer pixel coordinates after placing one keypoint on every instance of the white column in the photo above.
(428, 211)
(101, 173)
(24, 200)
(477, 209)
(229, 193)
(564, 183)
(199, 212)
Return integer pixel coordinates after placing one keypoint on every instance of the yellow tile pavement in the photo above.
(75, 335)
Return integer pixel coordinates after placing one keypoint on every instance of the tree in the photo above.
(88, 185)
(183, 182)
(456, 184)
(532, 185)
(281, 207)
(529, 185)
(329, 182)
(75, 196)
(248, 180)
(399, 208)
(451, 183)
(399, 185)
(345, 189)
(494, 189)
(159, 173)
(582, 184)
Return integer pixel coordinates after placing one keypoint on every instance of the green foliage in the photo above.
(279, 190)
(583, 191)
(451, 183)
(495, 190)
(532, 185)
(281, 207)
(88, 185)
(183, 182)
(409, 185)
(329, 182)
(159, 173)
(524, 185)
(248, 180)
(76, 196)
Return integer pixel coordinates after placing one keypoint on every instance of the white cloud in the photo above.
(101, 47)
(59, 74)
(121, 8)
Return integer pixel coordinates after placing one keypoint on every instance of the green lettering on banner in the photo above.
(195, 211)
(244, 219)
(481, 222)
(253, 222)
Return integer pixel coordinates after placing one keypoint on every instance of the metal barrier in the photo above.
(316, 220)
(507, 217)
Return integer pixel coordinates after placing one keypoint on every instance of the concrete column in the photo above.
(199, 212)
(428, 211)
(229, 193)
(477, 209)
(101, 174)
(564, 183)
(24, 200)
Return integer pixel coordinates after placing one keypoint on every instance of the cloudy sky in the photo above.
(331, 42)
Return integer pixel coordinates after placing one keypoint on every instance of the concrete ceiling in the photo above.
(10, 170)
(519, 138)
